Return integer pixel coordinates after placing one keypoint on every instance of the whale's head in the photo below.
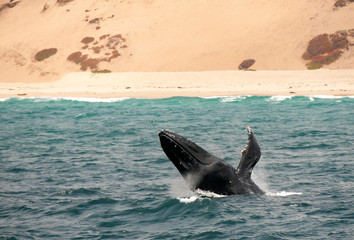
(198, 167)
(187, 156)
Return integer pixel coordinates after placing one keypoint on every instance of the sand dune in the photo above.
(163, 35)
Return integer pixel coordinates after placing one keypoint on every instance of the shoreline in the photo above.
(187, 84)
(276, 98)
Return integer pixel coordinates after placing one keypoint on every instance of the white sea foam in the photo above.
(233, 99)
(228, 98)
(200, 194)
(212, 97)
(327, 96)
(283, 194)
(104, 100)
(314, 97)
(278, 98)
(222, 98)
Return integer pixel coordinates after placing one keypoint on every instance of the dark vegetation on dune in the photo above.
(246, 64)
(63, 2)
(325, 48)
(93, 51)
(8, 5)
(341, 3)
(45, 53)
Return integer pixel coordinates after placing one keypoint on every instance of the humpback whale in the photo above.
(204, 171)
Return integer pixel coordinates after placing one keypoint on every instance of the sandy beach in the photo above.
(169, 84)
(163, 48)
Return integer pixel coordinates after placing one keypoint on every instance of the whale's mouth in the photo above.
(184, 154)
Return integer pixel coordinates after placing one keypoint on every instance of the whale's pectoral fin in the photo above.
(250, 155)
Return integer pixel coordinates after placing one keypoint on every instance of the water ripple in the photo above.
(93, 169)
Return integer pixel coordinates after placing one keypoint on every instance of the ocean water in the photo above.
(74, 168)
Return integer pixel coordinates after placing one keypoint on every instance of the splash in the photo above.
(188, 199)
(208, 194)
(200, 195)
(283, 194)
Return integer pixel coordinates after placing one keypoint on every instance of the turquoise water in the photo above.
(94, 169)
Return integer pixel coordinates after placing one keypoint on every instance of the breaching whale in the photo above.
(204, 171)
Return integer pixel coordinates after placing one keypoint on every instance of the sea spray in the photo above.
(283, 194)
